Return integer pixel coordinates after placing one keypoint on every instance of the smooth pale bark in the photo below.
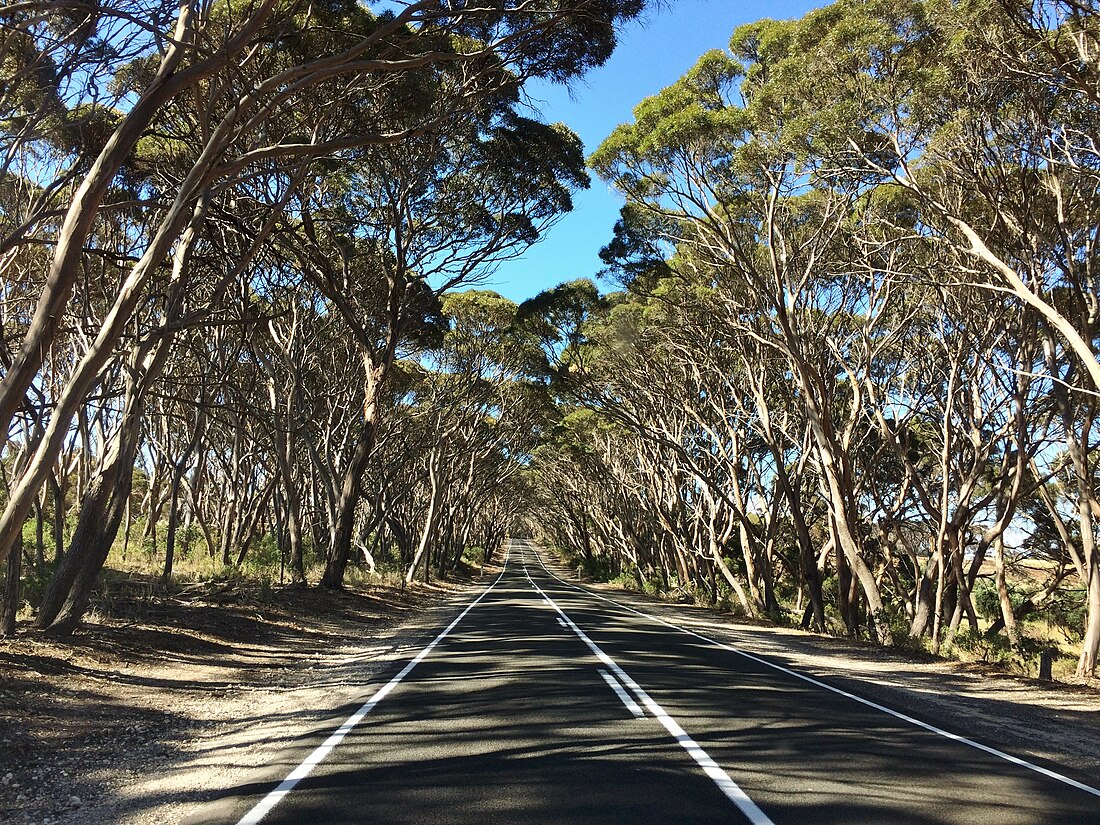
(1064, 326)
(1086, 505)
(1087, 663)
(963, 604)
(172, 79)
(937, 616)
(731, 580)
(65, 267)
(848, 544)
(807, 555)
(80, 218)
(978, 248)
(435, 497)
(1077, 419)
(1003, 599)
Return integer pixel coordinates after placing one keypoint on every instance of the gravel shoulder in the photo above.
(144, 716)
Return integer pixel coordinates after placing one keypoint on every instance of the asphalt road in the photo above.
(544, 704)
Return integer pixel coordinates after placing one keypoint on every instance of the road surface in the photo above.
(545, 704)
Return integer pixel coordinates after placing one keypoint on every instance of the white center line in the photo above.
(624, 697)
(904, 717)
(711, 768)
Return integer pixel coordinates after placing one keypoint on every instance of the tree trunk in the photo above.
(12, 592)
(1007, 614)
(1090, 647)
(250, 522)
(57, 488)
(292, 502)
(179, 468)
(40, 531)
(170, 532)
(844, 585)
(104, 504)
(748, 553)
(339, 552)
(430, 520)
(937, 614)
(101, 514)
(731, 579)
(924, 606)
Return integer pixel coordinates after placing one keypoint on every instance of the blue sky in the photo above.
(652, 54)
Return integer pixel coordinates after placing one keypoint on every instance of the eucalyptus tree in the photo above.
(486, 416)
(209, 62)
(203, 287)
(414, 221)
(985, 116)
(863, 257)
(766, 228)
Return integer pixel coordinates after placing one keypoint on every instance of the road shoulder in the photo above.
(143, 718)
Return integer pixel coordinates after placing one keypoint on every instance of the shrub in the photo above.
(35, 581)
(988, 603)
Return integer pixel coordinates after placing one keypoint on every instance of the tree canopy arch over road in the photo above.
(848, 379)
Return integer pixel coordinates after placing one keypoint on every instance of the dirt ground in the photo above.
(143, 716)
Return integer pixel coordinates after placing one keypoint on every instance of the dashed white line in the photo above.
(954, 737)
(711, 768)
(624, 697)
(264, 806)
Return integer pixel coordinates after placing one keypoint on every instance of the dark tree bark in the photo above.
(12, 591)
(101, 514)
(351, 489)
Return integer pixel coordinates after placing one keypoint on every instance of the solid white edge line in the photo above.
(624, 697)
(1015, 760)
(273, 798)
(711, 768)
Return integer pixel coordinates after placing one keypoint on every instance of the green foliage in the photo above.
(997, 650)
(599, 569)
(263, 557)
(1068, 612)
(622, 580)
(989, 649)
(988, 602)
(474, 556)
(34, 582)
(899, 628)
